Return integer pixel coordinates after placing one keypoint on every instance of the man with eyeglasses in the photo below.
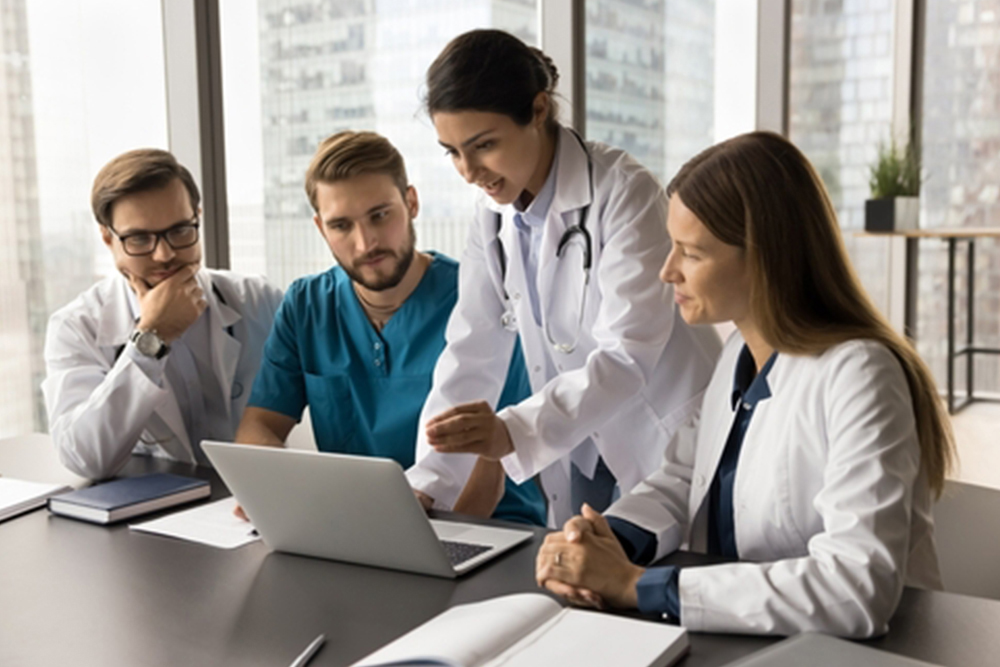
(161, 355)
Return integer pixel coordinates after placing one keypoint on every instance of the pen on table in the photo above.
(310, 651)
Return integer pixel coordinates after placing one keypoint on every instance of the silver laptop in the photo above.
(357, 509)
(818, 650)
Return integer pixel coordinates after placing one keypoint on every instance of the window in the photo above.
(840, 109)
(961, 188)
(668, 78)
(296, 72)
(82, 81)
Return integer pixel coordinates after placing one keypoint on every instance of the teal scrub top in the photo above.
(366, 388)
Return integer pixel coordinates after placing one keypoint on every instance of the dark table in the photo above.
(73, 593)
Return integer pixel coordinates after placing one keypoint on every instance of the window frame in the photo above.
(192, 45)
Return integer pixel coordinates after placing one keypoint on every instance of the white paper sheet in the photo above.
(213, 524)
(18, 496)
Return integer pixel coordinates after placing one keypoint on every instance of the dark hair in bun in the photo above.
(491, 70)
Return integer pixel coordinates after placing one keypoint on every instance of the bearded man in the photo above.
(358, 343)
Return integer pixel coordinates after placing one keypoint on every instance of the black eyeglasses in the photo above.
(178, 237)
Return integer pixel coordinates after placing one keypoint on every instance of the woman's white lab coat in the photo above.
(102, 405)
(638, 372)
(830, 510)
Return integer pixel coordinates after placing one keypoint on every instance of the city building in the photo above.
(22, 287)
(327, 67)
(650, 84)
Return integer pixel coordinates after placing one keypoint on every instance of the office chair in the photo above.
(967, 533)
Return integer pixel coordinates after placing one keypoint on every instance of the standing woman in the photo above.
(822, 436)
(562, 253)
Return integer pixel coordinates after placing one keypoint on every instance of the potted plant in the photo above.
(895, 190)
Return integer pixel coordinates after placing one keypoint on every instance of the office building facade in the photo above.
(650, 82)
(22, 284)
(331, 66)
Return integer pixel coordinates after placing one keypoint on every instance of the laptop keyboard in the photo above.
(459, 552)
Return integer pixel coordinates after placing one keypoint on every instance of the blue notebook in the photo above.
(128, 497)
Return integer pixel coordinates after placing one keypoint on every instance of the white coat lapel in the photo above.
(572, 194)
(717, 420)
(709, 454)
(225, 348)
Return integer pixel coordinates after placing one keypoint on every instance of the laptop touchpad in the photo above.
(447, 530)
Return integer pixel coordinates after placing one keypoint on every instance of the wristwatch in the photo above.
(149, 343)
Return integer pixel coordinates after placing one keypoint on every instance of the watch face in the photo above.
(148, 343)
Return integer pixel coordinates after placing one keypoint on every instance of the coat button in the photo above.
(700, 480)
(538, 369)
(517, 296)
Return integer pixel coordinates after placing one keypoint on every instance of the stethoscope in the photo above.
(508, 319)
(237, 389)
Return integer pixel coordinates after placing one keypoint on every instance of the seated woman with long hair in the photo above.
(821, 441)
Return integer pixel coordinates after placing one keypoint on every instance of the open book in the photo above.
(18, 496)
(532, 629)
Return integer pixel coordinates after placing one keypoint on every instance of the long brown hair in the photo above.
(757, 191)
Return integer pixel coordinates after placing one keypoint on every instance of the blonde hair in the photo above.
(757, 191)
(348, 154)
(139, 170)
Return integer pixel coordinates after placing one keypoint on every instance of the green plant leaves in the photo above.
(895, 173)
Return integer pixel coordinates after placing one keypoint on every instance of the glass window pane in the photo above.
(961, 188)
(69, 101)
(840, 109)
(654, 69)
(297, 72)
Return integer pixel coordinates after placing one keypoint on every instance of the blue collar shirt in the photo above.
(530, 224)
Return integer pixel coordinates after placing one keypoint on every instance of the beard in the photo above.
(403, 259)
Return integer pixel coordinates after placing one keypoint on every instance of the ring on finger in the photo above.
(558, 558)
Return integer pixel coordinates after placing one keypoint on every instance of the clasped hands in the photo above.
(586, 564)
